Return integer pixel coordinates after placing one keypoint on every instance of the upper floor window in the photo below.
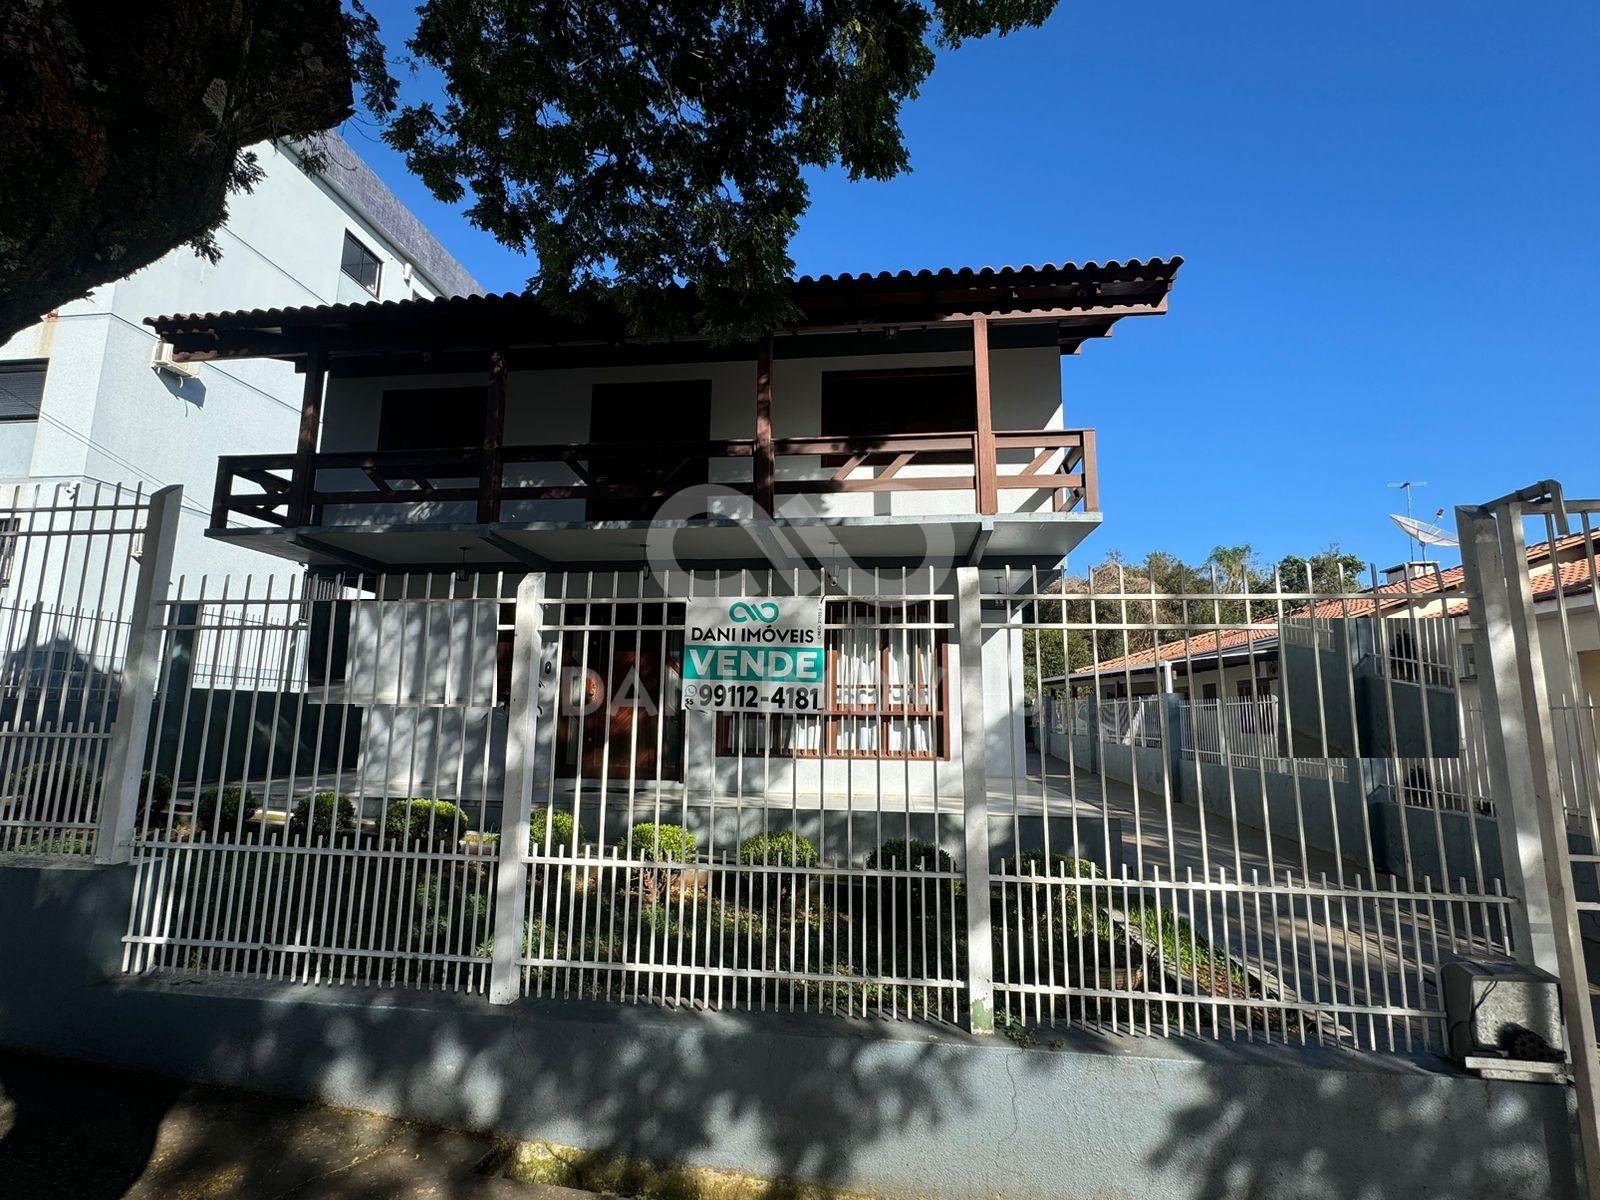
(21, 390)
(360, 264)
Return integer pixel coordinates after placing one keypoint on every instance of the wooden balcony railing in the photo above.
(1057, 463)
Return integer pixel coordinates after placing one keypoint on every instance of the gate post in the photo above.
(975, 800)
(125, 749)
(1509, 735)
(530, 725)
(1533, 835)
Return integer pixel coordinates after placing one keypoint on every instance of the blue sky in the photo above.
(1389, 219)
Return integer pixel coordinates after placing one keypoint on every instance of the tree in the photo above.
(127, 125)
(1331, 570)
(640, 145)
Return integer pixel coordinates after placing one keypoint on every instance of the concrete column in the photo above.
(130, 730)
(530, 745)
(975, 800)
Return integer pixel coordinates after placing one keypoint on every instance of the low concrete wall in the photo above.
(893, 1108)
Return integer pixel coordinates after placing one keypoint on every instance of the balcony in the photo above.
(1020, 495)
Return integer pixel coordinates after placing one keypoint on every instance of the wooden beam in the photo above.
(529, 559)
(491, 469)
(304, 471)
(766, 463)
(983, 443)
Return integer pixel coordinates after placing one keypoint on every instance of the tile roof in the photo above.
(1085, 299)
(1576, 576)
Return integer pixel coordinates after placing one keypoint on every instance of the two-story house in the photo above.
(903, 422)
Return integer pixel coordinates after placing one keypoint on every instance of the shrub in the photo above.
(777, 849)
(560, 826)
(224, 815)
(1033, 862)
(663, 843)
(913, 854)
(408, 821)
(60, 780)
(327, 814)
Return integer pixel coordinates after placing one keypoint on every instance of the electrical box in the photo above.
(1504, 1019)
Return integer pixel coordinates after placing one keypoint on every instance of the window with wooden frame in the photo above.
(886, 695)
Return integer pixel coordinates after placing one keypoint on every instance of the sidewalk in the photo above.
(91, 1133)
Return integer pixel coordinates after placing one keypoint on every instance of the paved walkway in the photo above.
(87, 1133)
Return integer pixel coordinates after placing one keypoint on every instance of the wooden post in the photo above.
(1090, 469)
(491, 469)
(765, 463)
(984, 454)
(303, 476)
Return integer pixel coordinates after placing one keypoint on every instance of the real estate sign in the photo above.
(754, 654)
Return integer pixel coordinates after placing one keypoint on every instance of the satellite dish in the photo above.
(1428, 535)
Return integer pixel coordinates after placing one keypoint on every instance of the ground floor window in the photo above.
(887, 693)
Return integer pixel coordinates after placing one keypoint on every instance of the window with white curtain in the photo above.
(886, 694)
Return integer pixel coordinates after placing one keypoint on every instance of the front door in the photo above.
(646, 418)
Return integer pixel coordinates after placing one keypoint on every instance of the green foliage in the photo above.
(227, 814)
(915, 854)
(450, 914)
(631, 148)
(117, 150)
(559, 826)
(155, 797)
(63, 779)
(409, 822)
(777, 849)
(663, 843)
(1033, 862)
(327, 814)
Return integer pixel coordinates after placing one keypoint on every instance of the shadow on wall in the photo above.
(1239, 1138)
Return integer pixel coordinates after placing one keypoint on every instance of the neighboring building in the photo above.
(902, 418)
(84, 398)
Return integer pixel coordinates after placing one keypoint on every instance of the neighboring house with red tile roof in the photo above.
(1242, 660)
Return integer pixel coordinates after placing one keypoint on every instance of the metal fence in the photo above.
(321, 802)
(69, 560)
(1211, 893)
(493, 784)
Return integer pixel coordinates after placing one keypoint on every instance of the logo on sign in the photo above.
(745, 611)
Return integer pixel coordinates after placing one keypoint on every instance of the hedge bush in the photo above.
(663, 843)
(327, 813)
(227, 814)
(1033, 862)
(561, 830)
(913, 854)
(777, 849)
(407, 821)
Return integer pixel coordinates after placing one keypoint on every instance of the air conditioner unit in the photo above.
(161, 360)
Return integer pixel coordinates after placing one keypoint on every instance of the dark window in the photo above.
(652, 415)
(882, 403)
(21, 391)
(10, 534)
(432, 419)
(360, 263)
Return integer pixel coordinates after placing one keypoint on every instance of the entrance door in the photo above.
(649, 414)
(619, 716)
